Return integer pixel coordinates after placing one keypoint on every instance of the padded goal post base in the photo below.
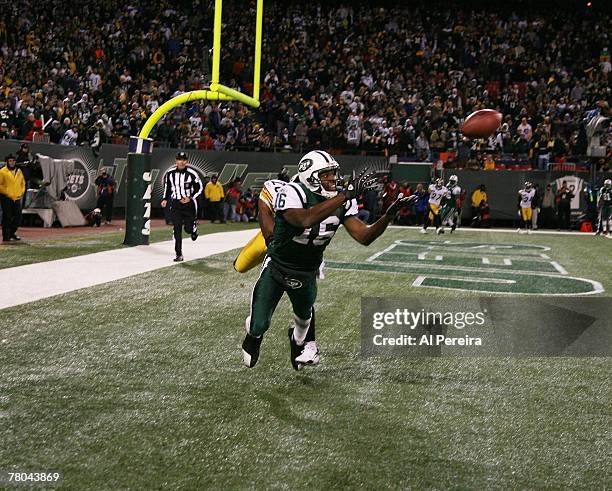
(138, 194)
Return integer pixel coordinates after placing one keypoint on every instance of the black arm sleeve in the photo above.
(167, 188)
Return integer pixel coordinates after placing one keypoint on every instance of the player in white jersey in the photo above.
(253, 253)
(525, 206)
(437, 192)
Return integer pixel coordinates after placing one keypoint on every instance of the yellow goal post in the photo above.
(216, 91)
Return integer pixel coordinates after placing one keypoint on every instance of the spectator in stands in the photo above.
(564, 199)
(524, 130)
(54, 131)
(12, 189)
(5, 134)
(232, 196)
(214, 194)
(422, 147)
(106, 194)
(71, 136)
(489, 163)
(547, 214)
(390, 192)
(418, 76)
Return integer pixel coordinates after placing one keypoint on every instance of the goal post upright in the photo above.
(139, 185)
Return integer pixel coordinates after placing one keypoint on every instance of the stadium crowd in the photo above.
(346, 77)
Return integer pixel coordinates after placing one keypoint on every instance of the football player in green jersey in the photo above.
(604, 203)
(308, 213)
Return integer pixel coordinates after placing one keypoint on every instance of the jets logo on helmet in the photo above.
(305, 164)
(311, 166)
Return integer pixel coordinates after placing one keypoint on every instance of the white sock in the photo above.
(300, 329)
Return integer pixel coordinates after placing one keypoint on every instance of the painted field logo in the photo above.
(520, 269)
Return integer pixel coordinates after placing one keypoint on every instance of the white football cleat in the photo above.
(423, 231)
(310, 354)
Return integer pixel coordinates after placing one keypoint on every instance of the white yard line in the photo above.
(47, 279)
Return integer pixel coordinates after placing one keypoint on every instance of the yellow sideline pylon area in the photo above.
(216, 91)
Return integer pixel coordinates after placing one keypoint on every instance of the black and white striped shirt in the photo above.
(180, 184)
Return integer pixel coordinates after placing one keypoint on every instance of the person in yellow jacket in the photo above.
(213, 192)
(12, 189)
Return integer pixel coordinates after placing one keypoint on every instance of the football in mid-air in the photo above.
(481, 124)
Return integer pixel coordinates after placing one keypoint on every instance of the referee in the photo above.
(182, 186)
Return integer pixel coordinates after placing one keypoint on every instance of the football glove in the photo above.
(359, 183)
(401, 202)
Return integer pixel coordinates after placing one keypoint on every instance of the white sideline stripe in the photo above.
(485, 260)
(503, 230)
(43, 280)
(507, 262)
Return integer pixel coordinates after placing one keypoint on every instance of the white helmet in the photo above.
(453, 180)
(608, 183)
(311, 165)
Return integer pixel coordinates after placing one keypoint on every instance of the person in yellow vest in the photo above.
(12, 188)
(213, 192)
(479, 195)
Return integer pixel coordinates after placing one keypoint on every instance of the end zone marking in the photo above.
(380, 253)
(558, 267)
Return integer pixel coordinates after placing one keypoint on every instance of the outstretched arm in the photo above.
(366, 234)
(307, 217)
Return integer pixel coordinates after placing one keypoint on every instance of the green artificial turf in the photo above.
(138, 384)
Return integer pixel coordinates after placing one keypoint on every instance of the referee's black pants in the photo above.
(11, 216)
(183, 216)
